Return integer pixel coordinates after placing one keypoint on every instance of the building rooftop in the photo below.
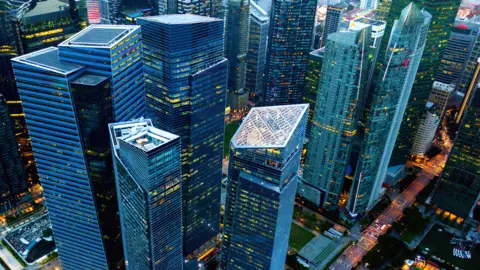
(46, 7)
(100, 36)
(90, 79)
(180, 19)
(257, 11)
(370, 22)
(140, 133)
(48, 59)
(318, 53)
(314, 249)
(269, 127)
(443, 86)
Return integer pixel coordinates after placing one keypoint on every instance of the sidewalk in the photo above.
(9, 259)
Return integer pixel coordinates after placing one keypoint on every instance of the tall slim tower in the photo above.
(332, 22)
(290, 37)
(185, 81)
(237, 25)
(149, 184)
(334, 126)
(368, 4)
(443, 15)
(257, 52)
(312, 80)
(386, 104)
(262, 180)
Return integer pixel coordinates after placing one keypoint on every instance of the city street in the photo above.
(368, 239)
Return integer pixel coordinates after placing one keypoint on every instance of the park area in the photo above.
(299, 237)
(438, 243)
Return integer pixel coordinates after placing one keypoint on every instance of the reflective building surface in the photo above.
(149, 185)
(262, 180)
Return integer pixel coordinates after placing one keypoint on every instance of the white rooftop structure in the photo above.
(269, 127)
(100, 36)
(47, 59)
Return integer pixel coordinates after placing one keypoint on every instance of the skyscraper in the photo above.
(426, 130)
(210, 8)
(114, 51)
(334, 126)
(290, 38)
(68, 137)
(386, 104)
(470, 66)
(262, 180)
(332, 22)
(459, 185)
(237, 25)
(149, 185)
(257, 52)
(443, 14)
(12, 174)
(440, 95)
(312, 80)
(185, 81)
(115, 11)
(368, 4)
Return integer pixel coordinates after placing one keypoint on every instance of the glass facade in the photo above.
(312, 80)
(13, 179)
(114, 52)
(334, 126)
(43, 81)
(289, 41)
(443, 16)
(149, 184)
(470, 66)
(458, 187)
(262, 180)
(185, 81)
(332, 22)
(257, 53)
(386, 103)
(237, 25)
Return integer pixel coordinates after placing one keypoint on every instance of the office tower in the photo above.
(368, 4)
(317, 36)
(93, 11)
(332, 22)
(12, 175)
(312, 80)
(149, 186)
(191, 105)
(257, 53)
(383, 8)
(426, 130)
(237, 25)
(457, 53)
(334, 125)
(440, 95)
(443, 16)
(387, 101)
(262, 180)
(289, 41)
(127, 11)
(459, 186)
(210, 8)
(468, 74)
(114, 51)
(70, 145)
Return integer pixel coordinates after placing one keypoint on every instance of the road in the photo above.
(368, 238)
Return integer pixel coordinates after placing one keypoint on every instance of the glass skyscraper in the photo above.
(149, 187)
(312, 80)
(289, 41)
(333, 18)
(262, 180)
(443, 16)
(459, 185)
(257, 52)
(386, 103)
(185, 82)
(237, 25)
(341, 86)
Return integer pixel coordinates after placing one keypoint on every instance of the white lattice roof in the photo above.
(269, 127)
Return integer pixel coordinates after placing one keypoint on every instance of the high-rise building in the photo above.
(332, 22)
(257, 52)
(289, 41)
(12, 175)
(67, 111)
(459, 185)
(210, 8)
(334, 125)
(368, 4)
(262, 180)
(382, 10)
(443, 16)
(114, 51)
(387, 100)
(426, 130)
(312, 80)
(440, 96)
(237, 25)
(185, 81)
(472, 85)
(127, 11)
(457, 53)
(470, 66)
(149, 186)
(93, 11)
